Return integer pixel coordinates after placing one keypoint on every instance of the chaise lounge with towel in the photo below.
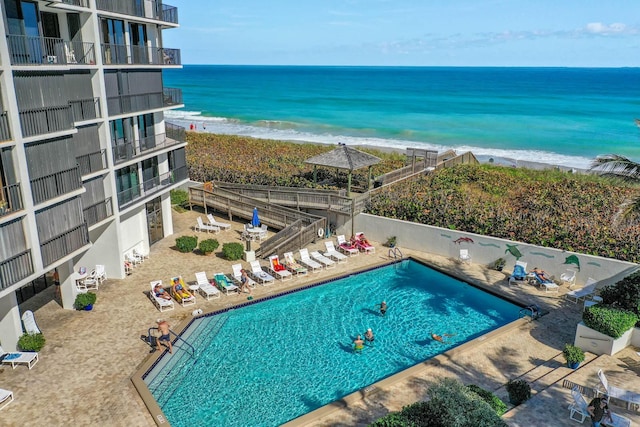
(161, 303)
(224, 283)
(260, 275)
(293, 265)
(14, 358)
(278, 269)
(585, 292)
(519, 274)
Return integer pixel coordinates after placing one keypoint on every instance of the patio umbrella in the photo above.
(255, 221)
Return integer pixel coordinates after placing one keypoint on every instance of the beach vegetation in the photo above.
(232, 251)
(31, 342)
(607, 320)
(624, 294)
(620, 168)
(186, 244)
(449, 404)
(494, 401)
(208, 246)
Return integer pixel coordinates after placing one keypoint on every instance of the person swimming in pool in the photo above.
(358, 344)
(165, 336)
(369, 336)
(383, 308)
(440, 338)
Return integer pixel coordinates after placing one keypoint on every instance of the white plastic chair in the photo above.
(579, 406)
(464, 256)
(569, 277)
(200, 226)
(6, 397)
(101, 273)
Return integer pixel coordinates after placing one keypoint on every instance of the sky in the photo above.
(563, 33)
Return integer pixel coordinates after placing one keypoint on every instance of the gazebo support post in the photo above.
(349, 184)
(369, 180)
(315, 174)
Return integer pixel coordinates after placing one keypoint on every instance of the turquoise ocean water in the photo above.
(563, 116)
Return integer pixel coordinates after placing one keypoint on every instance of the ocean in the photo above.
(560, 116)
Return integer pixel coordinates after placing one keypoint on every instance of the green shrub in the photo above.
(179, 197)
(187, 243)
(608, 320)
(624, 294)
(83, 300)
(31, 342)
(519, 391)
(494, 401)
(208, 246)
(232, 251)
(450, 404)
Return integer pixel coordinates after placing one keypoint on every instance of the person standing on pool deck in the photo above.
(165, 336)
(383, 307)
(369, 336)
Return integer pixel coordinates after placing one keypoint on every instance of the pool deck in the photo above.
(84, 373)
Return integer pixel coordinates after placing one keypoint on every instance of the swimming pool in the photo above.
(270, 362)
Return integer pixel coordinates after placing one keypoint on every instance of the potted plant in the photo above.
(85, 301)
(573, 355)
(519, 391)
(31, 342)
(391, 242)
(498, 264)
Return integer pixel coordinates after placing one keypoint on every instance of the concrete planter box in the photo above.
(597, 343)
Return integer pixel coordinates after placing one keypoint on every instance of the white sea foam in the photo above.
(276, 130)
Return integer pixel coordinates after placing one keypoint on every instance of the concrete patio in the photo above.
(83, 376)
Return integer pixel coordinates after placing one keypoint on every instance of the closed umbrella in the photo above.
(255, 221)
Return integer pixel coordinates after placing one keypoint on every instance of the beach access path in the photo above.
(83, 376)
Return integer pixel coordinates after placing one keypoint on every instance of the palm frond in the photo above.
(629, 211)
(617, 167)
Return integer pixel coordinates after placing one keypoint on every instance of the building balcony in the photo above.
(98, 212)
(154, 9)
(29, 50)
(15, 268)
(120, 54)
(127, 150)
(5, 130)
(56, 184)
(78, 3)
(92, 162)
(151, 186)
(123, 104)
(10, 199)
(64, 244)
(85, 109)
(171, 96)
(44, 120)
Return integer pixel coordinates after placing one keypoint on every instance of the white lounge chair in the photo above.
(579, 406)
(101, 273)
(569, 278)
(29, 322)
(346, 247)
(618, 421)
(132, 259)
(306, 260)
(632, 398)
(223, 283)
(278, 269)
(15, 358)
(200, 226)
(206, 289)
(260, 275)
(464, 256)
(141, 256)
(293, 265)
(333, 253)
(6, 397)
(237, 275)
(327, 262)
(586, 291)
(222, 225)
(161, 303)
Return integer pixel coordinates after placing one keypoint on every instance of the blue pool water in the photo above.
(270, 362)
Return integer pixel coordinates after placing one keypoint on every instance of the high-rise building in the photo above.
(87, 159)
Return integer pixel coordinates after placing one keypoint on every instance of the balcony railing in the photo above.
(157, 142)
(175, 132)
(143, 55)
(43, 120)
(171, 96)
(124, 150)
(56, 184)
(5, 131)
(85, 109)
(92, 162)
(80, 3)
(16, 268)
(159, 11)
(28, 50)
(123, 104)
(64, 244)
(10, 199)
(151, 186)
(98, 212)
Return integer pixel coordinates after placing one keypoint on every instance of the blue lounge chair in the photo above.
(519, 272)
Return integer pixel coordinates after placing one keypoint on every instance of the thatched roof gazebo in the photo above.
(345, 158)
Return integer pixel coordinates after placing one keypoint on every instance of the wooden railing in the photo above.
(64, 244)
(15, 268)
(462, 159)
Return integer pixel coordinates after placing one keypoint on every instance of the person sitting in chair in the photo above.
(161, 292)
(542, 275)
(179, 290)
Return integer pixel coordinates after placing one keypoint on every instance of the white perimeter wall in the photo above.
(133, 232)
(485, 250)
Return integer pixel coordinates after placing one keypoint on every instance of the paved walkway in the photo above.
(83, 376)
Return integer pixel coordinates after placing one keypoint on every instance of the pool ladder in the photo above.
(193, 350)
(395, 253)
